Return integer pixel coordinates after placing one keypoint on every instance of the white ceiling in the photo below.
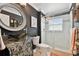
(51, 9)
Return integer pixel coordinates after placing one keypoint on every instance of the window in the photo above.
(55, 24)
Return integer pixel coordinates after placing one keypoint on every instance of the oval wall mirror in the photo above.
(12, 17)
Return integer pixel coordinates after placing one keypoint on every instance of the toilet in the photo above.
(41, 49)
(42, 45)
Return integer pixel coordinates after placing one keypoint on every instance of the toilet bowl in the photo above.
(41, 45)
(41, 49)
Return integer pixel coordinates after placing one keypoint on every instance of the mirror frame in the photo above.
(19, 9)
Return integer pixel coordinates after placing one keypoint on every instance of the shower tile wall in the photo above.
(59, 39)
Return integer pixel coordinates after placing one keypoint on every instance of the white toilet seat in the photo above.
(43, 45)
